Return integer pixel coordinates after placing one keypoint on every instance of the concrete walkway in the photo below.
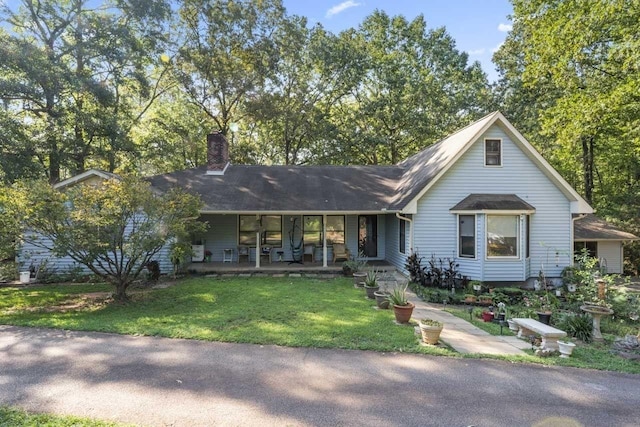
(462, 336)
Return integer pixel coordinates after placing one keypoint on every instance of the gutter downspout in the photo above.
(410, 221)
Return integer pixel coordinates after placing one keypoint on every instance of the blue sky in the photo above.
(478, 26)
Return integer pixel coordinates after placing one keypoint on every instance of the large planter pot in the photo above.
(358, 277)
(544, 316)
(566, 348)
(470, 299)
(430, 333)
(487, 316)
(381, 299)
(25, 277)
(403, 312)
(371, 290)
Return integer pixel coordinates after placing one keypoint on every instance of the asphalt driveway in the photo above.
(158, 381)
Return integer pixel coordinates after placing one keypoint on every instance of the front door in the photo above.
(368, 235)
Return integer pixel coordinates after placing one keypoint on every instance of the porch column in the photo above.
(257, 242)
(324, 240)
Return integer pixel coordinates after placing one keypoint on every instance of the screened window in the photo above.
(271, 230)
(502, 235)
(402, 236)
(492, 152)
(335, 229)
(467, 236)
(312, 230)
(591, 247)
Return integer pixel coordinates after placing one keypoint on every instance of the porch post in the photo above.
(258, 242)
(324, 240)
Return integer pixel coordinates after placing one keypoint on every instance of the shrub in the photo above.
(576, 325)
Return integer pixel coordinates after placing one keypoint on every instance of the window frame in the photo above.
(584, 245)
(500, 157)
(475, 241)
(263, 234)
(518, 236)
(343, 231)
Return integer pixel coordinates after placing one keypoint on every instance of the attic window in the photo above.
(493, 152)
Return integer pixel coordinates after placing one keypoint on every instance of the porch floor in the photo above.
(278, 267)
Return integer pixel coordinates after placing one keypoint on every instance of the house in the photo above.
(483, 196)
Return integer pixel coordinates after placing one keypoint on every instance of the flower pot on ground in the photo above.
(358, 277)
(544, 316)
(402, 308)
(382, 299)
(487, 316)
(430, 330)
(470, 299)
(485, 299)
(566, 348)
(371, 284)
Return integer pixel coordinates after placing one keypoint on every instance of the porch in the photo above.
(284, 267)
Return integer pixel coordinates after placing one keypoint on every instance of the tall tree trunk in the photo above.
(587, 166)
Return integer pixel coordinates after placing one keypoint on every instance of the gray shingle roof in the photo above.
(590, 227)
(492, 202)
(320, 188)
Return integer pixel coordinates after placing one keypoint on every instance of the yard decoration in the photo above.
(430, 330)
(402, 308)
(371, 283)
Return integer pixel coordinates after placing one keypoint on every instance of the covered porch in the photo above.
(218, 267)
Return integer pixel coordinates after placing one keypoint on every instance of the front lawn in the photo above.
(17, 417)
(283, 311)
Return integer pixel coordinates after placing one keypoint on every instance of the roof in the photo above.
(288, 188)
(347, 188)
(493, 202)
(590, 227)
(84, 176)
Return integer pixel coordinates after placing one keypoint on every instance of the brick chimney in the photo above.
(217, 153)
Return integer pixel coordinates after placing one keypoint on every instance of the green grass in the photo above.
(590, 356)
(297, 312)
(17, 417)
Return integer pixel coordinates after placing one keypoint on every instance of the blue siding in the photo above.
(392, 244)
(436, 226)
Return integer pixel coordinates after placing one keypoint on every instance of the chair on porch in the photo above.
(310, 251)
(243, 251)
(340, 251)
(265, 252)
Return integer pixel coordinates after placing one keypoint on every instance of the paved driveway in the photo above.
(157, 381)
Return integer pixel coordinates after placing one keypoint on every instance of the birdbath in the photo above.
(596, 312)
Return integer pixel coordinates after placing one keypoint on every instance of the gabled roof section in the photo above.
(85, 176)
(424, 169)
(288, 188)
(590, 227)
(493, 202)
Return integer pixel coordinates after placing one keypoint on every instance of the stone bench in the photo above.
(549, 334)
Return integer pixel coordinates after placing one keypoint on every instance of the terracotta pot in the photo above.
(430, 334)
(381, 299)
(403, 312)
(470, 299)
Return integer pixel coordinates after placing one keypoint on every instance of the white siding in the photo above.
(436, 226)
(611, 252)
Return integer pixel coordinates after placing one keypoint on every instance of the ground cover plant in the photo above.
(284, 311)
(17, 417)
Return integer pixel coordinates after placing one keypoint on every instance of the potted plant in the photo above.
(566, 348)
(371, 283)
(430, 330)
(402, 308)
(207, 255)
(476, 285)
(470, 298)
(485, 299)
(502, 311)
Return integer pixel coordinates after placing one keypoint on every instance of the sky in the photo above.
(479, 27)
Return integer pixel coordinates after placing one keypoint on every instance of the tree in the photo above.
(65, 68)
(114, 228)
(227, 53)
(413, 88)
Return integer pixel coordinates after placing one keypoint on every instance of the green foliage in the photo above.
(371, 280)
(113, 228)
(17, 417)
(576, 325)
(398, 295)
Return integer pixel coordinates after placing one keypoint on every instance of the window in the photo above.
(335, 229)
(271, 230)
(492, 152)
(591, 247)
(502, 235)
(402, 236)
(467, 236)
(312, 230)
